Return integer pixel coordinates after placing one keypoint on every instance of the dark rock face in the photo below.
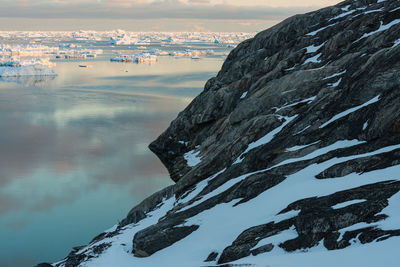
(155, 238)
(315, 97)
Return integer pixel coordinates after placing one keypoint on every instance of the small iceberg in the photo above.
(192, 53)
(139, 58)
(121, 40)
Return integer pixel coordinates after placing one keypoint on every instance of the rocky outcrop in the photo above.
(299, 133)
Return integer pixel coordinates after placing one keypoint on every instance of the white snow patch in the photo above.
(192, 157)
(295, 148)
(288, 234)
(321, 151)
(343, 14)
(321, 29)
(392, 210)
(365, 125)
(313, 59)
(266, 138)
(286, 215)
(308, 100)
(381, 29)
(335, 75)
(292, 68)
(183, 143)
(346, 8)
(112, 229)
(397, 8)
(335, 84)
(199, 187)
(396, 43)
(289, 91)
(303, 130)
(214, 234)
(351, 110)
(347, 203)
(312, 48)
(243, 95)
(373, 11)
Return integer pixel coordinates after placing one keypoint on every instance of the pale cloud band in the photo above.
(142, 9)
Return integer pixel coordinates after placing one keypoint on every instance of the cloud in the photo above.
(199, 1)
(120, 9)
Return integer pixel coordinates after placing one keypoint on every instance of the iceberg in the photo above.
(138, 58)
(35, 67)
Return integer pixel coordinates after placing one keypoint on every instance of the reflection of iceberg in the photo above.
(37, 81)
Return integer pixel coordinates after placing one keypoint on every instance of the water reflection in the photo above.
(73, 152)
(29, 81)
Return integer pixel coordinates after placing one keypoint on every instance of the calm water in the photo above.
(73, 150)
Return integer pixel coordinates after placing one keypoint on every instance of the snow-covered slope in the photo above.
(289, 157)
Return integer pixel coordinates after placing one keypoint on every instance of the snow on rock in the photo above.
(192, 157)
(266, 138)
(313, 48)
(347, 203)
(349, 111)
(314, 59)
(287, 177)
(382, 28)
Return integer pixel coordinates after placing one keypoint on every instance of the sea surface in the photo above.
(74, 155)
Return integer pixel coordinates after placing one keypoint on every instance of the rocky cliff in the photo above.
(290, 156)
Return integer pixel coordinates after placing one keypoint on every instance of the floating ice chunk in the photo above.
(35, 67)
(139, 58)
(121, 40)
(351, 110)
(191, 53)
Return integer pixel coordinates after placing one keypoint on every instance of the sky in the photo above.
(147, 15)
